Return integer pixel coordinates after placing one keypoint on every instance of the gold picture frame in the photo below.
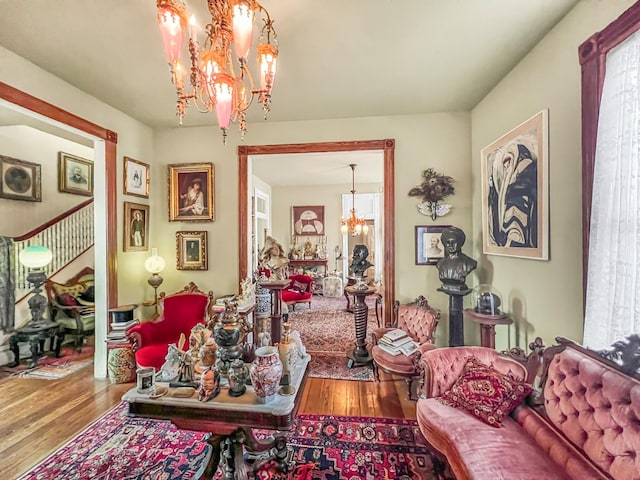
(191, 192)
(136, 178)
(136, 227)
(75, 174)
(192, 251)
(20, 180)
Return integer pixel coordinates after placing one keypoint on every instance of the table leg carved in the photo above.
(228, 453)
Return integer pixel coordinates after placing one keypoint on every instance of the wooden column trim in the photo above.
(387, 147)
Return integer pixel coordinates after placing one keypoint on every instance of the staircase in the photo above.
(67, 236)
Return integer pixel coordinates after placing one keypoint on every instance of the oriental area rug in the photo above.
(117, 447)
(52, 368)
(327, 330)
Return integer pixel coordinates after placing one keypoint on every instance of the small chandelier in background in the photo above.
(353, 224)
(215, 83)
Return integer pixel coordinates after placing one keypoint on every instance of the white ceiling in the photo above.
(319, 168)
(338, 58)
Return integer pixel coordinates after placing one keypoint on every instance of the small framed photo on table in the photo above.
(192, 251)
(20, 180)
(136, 178)
(429, 247)
(75, 175)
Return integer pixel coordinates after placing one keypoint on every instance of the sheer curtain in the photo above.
(613, 286)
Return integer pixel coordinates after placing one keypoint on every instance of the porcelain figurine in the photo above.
(238, 376)
(209, 385)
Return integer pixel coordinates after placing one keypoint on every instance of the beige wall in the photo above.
(25, 143)
(441, 141)
(544, 297)
(134, 140)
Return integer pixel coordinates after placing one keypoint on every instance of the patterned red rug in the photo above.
(327, 331)
(52, 368)
(117, 447)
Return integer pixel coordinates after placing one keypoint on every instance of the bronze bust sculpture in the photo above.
(454, 267)
(359, 264)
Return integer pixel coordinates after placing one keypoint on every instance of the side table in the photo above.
(487, 325)
(36, 334)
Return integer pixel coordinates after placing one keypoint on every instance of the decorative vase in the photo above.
(265, 373)
(238, 376)
(288, 356)
(263, 298)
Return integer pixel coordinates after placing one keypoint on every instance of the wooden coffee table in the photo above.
(230, 421)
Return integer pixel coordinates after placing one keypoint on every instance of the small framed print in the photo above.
(191, 251)
(20, 180)
(191, 193)
(136, 227)
(75, 175)
(429, 247)
(136, 178)
(308, 220)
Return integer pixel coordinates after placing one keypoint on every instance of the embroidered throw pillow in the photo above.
(299, 286)
(486, 393)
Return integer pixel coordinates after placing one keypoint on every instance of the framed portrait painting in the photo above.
(136, 178)
(75, 174)
(515, 191)
(136, 227)
(191, 192)
(191, 251)
(429, 247)
(308, 220)
(20, 180)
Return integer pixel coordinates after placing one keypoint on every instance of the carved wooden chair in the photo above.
(71, 305)
(181, 311)
(419, 321)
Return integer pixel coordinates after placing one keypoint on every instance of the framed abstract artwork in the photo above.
(75, 175)
(429, 248)
(136, 227)
(191, 192)
(136, 178)
(308, 220)
(191, 251)
(20, 180)
(515, 191)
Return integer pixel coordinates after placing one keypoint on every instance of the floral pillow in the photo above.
(486, 393)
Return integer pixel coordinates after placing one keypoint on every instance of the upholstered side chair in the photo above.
(181, 312)
(419, 321)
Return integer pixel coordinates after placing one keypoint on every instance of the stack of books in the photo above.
(396, 342)
(118, 333)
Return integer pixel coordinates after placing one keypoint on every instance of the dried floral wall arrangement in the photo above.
(434, 188)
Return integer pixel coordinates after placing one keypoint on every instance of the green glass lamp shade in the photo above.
(35, 256)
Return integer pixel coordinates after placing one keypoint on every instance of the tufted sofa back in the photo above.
(443, 366)
(598, 409)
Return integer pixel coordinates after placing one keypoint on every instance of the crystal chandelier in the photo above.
(353, 224)
(215, 82)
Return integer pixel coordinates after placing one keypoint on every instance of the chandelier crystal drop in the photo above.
(354, 224)
(217, 82)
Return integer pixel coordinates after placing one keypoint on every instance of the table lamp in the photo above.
(35, 258)
(154, 265)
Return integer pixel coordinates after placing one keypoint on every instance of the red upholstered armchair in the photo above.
(181, 312)
(300, 290)
(419, 321)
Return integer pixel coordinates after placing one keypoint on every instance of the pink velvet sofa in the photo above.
(583, 424)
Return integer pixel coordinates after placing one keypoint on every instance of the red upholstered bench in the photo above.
(300, 290)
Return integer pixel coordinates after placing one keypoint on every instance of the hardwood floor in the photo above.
(39, 416)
